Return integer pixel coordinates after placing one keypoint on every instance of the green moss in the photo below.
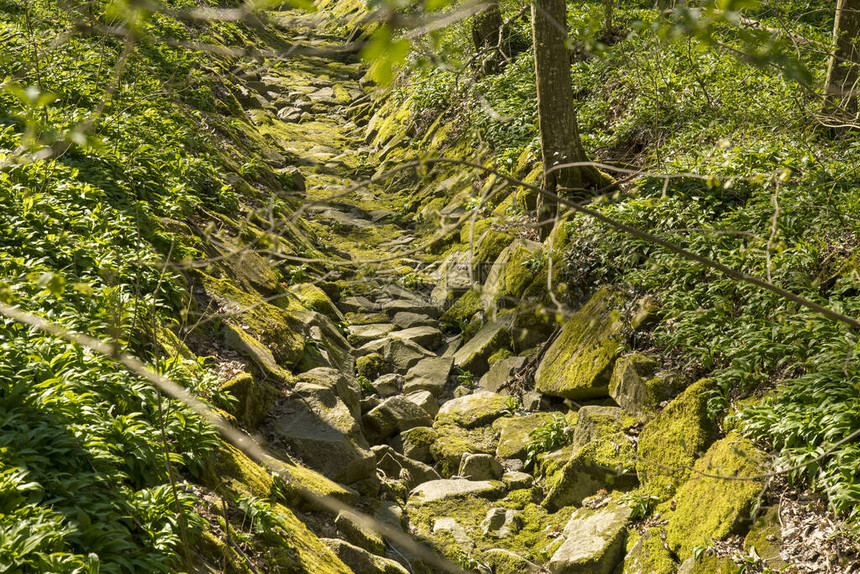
(366, 319)
(463, 309)
(579, 363)
(519, 499)
(713, 508)
(646, 554)
(317, 300)
(765, 536)
(499, 355)
(605, 463)
(277, 327)
(536, 535)
(490, 246)
(476, 231)
(670, 444)
(420, 436)
(453, 440)
(226, 559)
(370, 366)
(254, 399)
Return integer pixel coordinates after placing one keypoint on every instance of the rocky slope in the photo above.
(434, 390)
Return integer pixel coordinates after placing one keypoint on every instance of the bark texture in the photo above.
(840, 87)
(487, 39)
(559, 132)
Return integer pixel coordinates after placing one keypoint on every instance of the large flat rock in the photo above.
(456, 487)
(593, 541)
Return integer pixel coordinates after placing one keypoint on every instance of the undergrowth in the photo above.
(777, 200)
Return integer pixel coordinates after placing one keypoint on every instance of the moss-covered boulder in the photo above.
(633, 384)
(605, 458)
(646, 554)
(671, 442)
(254, 399)
(510, 275)
(593, 541)
(463, 308)
(234, 474)
(713, 508)
(317, 300)
(353, 530)
(579, 363)
(415, 443)
(514, 433)
(453, 440)
(478, 409)
(371, 366)
(474, 355)
(279, 328)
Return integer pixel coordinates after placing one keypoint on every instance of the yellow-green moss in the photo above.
(579, 363)
(316, 299)
(463, 309)
(765, 536)
(646, 554)
(370, 366)
(713, 508)
(277, 327)
(605, 459)
(499, 355)
(253, 399)
(452, 441)
(366, 319)
(670, 444)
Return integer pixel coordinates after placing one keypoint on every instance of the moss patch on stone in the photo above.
(646, 554)
(674, 439)
(253, 399)
(453, 440)
(317, 300)
(579, 363)
(370, 366)
(277, 327)
(463, 308)
(713, 508)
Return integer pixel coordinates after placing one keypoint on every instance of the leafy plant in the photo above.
(551, 435)
(641, 505)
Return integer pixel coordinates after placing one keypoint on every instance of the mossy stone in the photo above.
(579, 363)
(254, 399)
(370, 366)
(765, 536)
(605, 458)
(628, 383)
(453, 440)
(647, 554)
(670, 443)
(713, 508)
(514, 433)
(317, 300)
(708, 564)
(463, 308)
(278, 327)
(478, 409)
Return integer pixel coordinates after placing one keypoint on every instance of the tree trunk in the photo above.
(486, 35)
(559, 134)
(840, 85)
